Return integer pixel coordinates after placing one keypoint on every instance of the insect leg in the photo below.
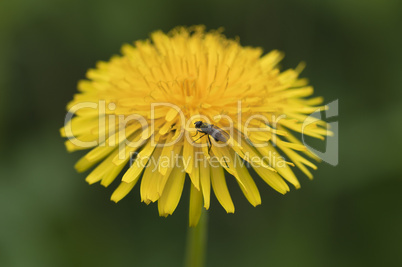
(210, 145)
(195, 133)
(200, 137)
(225, 162)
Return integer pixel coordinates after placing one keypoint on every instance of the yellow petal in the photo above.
(247, 185)
(150, 179)
(172, 162)
(168, 154)
(83, 164)
(220, 189)
(205, 180)
(293, 139)
(293, 146)
(81, 142)
(252, 156)
(99, 172)
(80, 125)
(111, 174)
(273, 179)
(299, 161)
(270, 60)
(122, 190)
(139, 164)
(279, 164)
(195, 206)
(188, 157)
(126, 151)
(171, 114)
(167, 203)
(195, 172)
(99, 152)
(221, 154)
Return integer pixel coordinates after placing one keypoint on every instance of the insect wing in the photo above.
(220, 134)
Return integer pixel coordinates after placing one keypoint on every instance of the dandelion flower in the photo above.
(139, 109)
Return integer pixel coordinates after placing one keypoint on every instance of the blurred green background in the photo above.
(349, 215)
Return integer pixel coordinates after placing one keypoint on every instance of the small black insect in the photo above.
(211, 130)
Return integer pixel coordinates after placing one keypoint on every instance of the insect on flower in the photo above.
(211, 130)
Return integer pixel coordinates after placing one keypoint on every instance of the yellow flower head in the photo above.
(192, 102)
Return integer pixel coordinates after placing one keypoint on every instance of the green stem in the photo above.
(197, 242)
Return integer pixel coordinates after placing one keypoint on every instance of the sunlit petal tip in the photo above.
(255, 204)
(82, 165)
(62, 132)
(90, 179)
(69, 146)
(290, 163)
(230, 210)
(121, 191)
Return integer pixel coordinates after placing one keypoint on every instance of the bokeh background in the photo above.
(349, 215)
